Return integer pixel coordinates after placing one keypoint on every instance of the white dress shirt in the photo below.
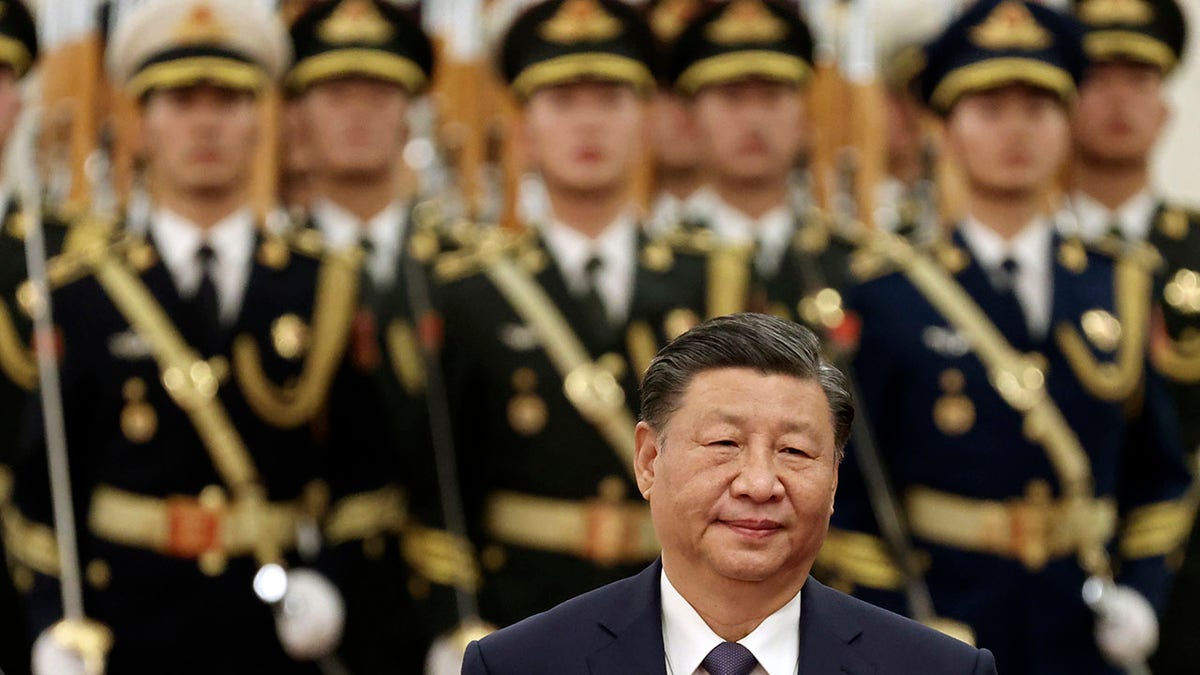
(616, 247)
(232, 240)
(1094, 220)
(385, 232)
(687, 639)
(1031, 249)
(772, 232)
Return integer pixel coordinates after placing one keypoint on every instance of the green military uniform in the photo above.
(389, 599)
(802, 258)
(542, 370)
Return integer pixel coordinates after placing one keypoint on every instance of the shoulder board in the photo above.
(490, 243)
(1176, 222)
(306, 241)
(1141, 253)
(689, 239)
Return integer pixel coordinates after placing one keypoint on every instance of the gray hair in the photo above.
(764, 343)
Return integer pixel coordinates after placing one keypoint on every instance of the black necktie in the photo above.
(593, 302)
(368, 280)
(1115, 231)
(206, 312)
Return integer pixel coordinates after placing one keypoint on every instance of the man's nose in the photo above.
(758, 477)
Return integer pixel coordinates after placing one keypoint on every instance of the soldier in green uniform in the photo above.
(358, 65)
(198, 359)
(1135, 46)
(18, 50)
(743, 68)
(548, 331)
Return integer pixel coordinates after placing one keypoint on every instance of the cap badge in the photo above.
(746, 21)
(355, 21)
(1011, 26)
(580, 21)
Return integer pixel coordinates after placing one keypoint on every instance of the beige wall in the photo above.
(1177, 161)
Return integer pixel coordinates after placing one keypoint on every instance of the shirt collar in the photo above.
(687, 639)
(178, 239)
(1133, 217)
(1028, 248)
(342, 228)
(571, 248)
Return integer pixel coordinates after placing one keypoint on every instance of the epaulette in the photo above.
(1176, 222)
(90, 242)
(1142, 253)
(872, 256)
(306, 241)
(489, 244)
(689, 238)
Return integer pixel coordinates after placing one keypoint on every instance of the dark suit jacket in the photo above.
(617, 629)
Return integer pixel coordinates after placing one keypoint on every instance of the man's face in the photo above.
(585, 136)
(356, 125)
(1120, 112)
(750, 130)
(742, 485)
(1010, 141)
(10, 102)
(200, 138)
(676, 143)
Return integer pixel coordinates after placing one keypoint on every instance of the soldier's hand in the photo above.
(1126, 627)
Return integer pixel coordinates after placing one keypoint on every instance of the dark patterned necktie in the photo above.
(729, 658)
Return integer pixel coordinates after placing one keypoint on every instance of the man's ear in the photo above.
(646, 451)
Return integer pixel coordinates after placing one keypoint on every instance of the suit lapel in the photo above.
(827, 635)
(635, 623)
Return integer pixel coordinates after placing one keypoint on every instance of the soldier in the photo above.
(358, 65)
(1134, 47)
(196, 361)
(677, 167)
(18, 35)
(743, 67)
(547, 334)
(1005, 383)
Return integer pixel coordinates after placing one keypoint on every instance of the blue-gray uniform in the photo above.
(1027, 441)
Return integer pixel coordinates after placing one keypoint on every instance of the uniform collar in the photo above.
(1095, 220)
(687, 639)
(385, 232)
(1030, 248)
(771, 232)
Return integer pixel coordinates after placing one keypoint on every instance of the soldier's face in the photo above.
(1010, 141)
(356, 126)
(676, 143)
(742, 480)
(1120, 113)
(585, 136)
(201, 138)
(750, 130)
(10, 102)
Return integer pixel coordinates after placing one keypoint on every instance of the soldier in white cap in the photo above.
(197, 358)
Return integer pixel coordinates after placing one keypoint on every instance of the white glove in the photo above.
(71, 648)
(1126, 627)
(445, 657)
(311, 616)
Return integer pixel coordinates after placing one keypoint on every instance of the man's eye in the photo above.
(796, 451)
(727, 442)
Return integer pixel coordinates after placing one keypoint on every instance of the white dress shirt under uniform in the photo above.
(1031, 249)
(385, 231)
(232, 240)
(616, 247)
(687, 639)
(771, 233)
(1095, 220)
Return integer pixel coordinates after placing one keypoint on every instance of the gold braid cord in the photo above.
(593, 391)
(16, 360)
(1114, 381)
(291, 405)
(1017, 379)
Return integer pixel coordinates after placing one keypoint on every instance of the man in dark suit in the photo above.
(743, 428)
